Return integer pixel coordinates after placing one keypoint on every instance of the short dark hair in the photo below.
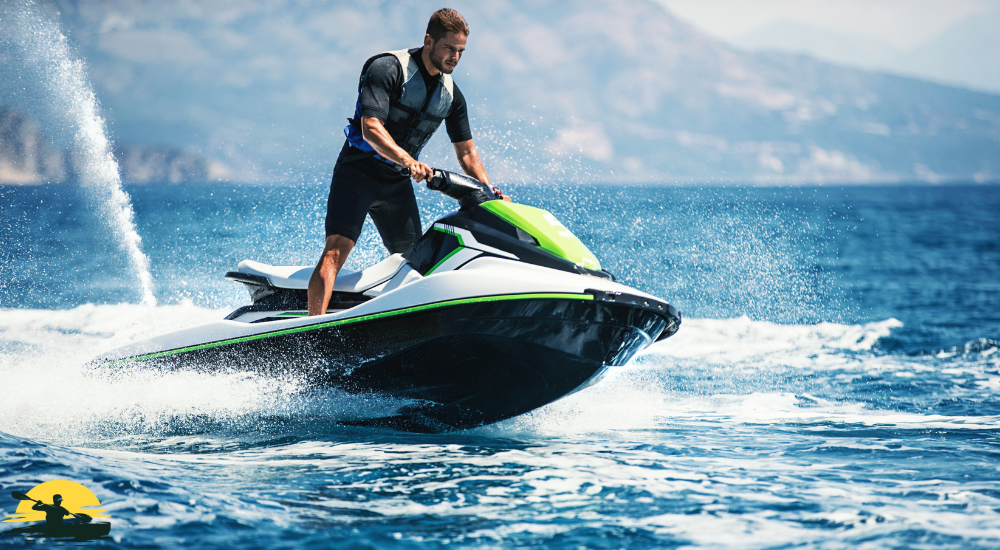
(444, 21)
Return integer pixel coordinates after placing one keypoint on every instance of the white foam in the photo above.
(628, 402)
(740, 340)
(51, 394)
(90, 329)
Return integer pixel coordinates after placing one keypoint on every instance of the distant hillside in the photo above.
(27, 157)
(588, 90)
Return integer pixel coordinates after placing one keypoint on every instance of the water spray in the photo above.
(73, 98)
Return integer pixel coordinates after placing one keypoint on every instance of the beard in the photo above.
(438, 63)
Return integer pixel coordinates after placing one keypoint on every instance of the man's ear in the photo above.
(428, 41)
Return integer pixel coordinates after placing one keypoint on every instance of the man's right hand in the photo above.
(419, 171)
(374, 132)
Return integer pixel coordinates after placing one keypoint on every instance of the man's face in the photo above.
(446, 52)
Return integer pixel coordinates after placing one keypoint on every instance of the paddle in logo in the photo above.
(59, 509)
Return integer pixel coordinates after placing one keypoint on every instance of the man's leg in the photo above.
(350, 198)
(321, 283)
(396, 216)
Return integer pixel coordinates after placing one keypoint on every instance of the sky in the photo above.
(904, 24)
(953, 42)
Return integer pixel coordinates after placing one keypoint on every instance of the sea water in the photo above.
(834, 383)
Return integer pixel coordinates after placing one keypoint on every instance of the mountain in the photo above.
(28, 157)
(589, 90)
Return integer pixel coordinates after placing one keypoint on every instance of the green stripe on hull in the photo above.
(359, 319)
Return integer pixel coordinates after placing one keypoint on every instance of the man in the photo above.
(54, 513)
(403, 97)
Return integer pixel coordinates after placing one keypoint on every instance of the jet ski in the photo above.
(496, 310)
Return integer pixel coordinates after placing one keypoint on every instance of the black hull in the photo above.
(468, 364)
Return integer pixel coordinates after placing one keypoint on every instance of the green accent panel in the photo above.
(362, 318)
(293, 314)
(551, 235)
(445, 259)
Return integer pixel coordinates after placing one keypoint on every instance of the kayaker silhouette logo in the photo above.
(59, 509)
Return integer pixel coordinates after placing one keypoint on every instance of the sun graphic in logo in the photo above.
(76, 498)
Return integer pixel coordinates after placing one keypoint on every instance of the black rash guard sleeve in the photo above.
(383, 84)
(457, 122)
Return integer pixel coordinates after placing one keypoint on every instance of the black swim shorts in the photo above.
(372, 187)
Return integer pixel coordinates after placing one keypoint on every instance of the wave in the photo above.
(742, 339)
(628, 402)
(984, 347)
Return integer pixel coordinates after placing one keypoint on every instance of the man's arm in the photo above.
(378, 137)
(457, 124)
(471, 164)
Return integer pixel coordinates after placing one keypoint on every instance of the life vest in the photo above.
(415, 116)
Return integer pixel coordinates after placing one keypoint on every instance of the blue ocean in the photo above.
(835, 382)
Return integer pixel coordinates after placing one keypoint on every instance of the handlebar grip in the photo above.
(435, 182)
(467, 190)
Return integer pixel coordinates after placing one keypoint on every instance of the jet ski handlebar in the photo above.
(468, 191)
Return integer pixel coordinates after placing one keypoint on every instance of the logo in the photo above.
(58, 509)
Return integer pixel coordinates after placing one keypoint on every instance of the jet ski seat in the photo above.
(297, 277)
